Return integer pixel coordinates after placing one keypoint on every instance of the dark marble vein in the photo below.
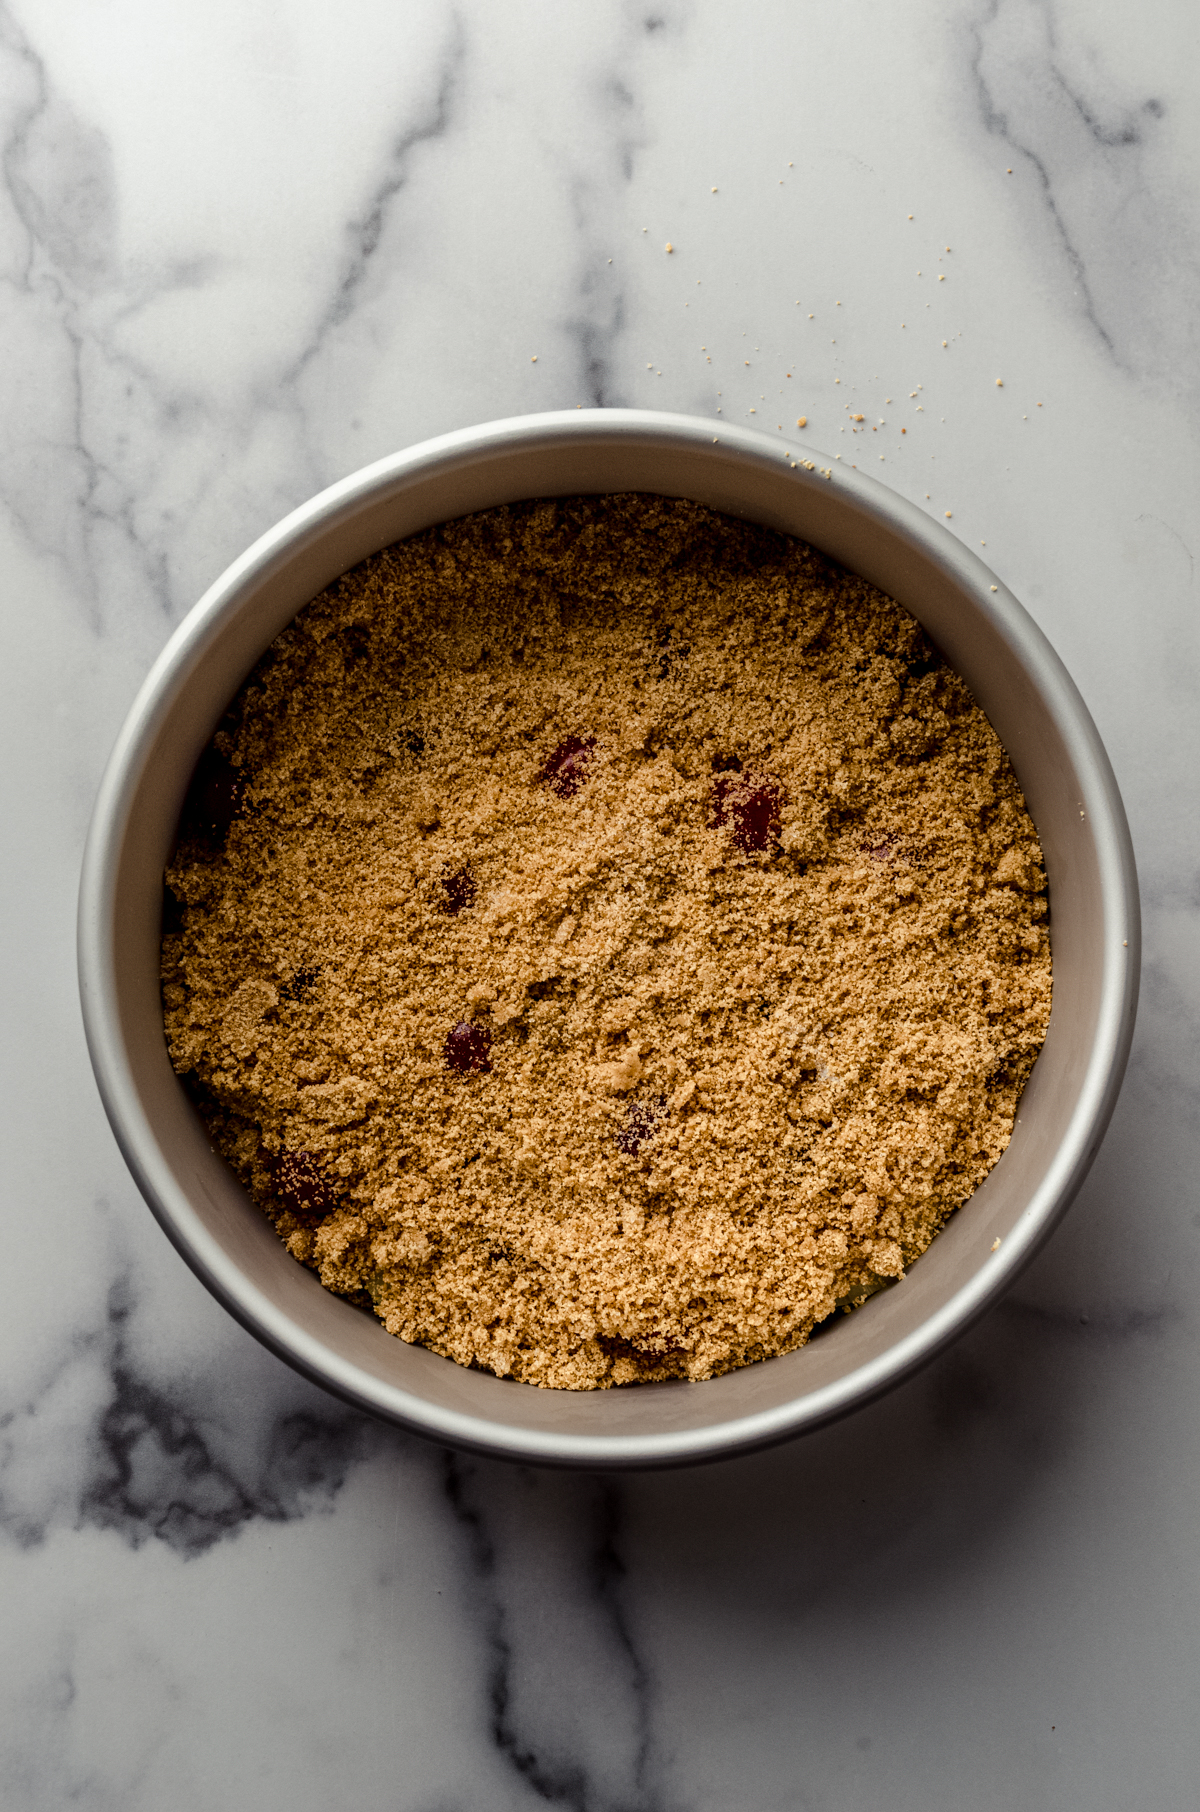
(554, 1785)
(597, 322)
(59, 181)
(58, 171)
(609, 1574)
(366, 231)
(74, 475)
(1093, 154)
(531, 1730)
(597, 190)
(999, 121)
(157, 1475)
(159, 1469)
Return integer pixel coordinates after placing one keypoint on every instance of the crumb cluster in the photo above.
(605, 939)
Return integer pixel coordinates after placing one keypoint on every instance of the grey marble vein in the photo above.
(59, 186)
(153, 1461)
(366, 230)
(622, 129)
(1094, 152)
(569, 1693)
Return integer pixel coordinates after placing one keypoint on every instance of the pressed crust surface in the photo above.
(606, 938)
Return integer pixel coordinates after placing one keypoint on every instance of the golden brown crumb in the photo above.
(628, 946)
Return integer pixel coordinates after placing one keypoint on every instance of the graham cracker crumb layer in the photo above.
(605, 938)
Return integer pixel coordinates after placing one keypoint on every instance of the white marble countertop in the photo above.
(248, 247)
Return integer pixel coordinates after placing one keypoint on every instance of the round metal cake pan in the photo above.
(983, 632)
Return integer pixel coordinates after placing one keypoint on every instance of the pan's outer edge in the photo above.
(136, 1137)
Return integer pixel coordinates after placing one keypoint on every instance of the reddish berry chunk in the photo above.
(466, 1048)
(459, 890)
(751, 805)
(882, 851)
(642, 1120)
(301, 1186)
(566, 769)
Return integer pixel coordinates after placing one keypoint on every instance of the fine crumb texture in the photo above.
(605, 939)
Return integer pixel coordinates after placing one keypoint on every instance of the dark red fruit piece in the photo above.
(566, 769)
(723, 764)
(642, 1119)
(720, 793)
(882, 851)
(301, 1186)
(459, 889)
(466, 1049)
(752, 805)
(214, 798)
